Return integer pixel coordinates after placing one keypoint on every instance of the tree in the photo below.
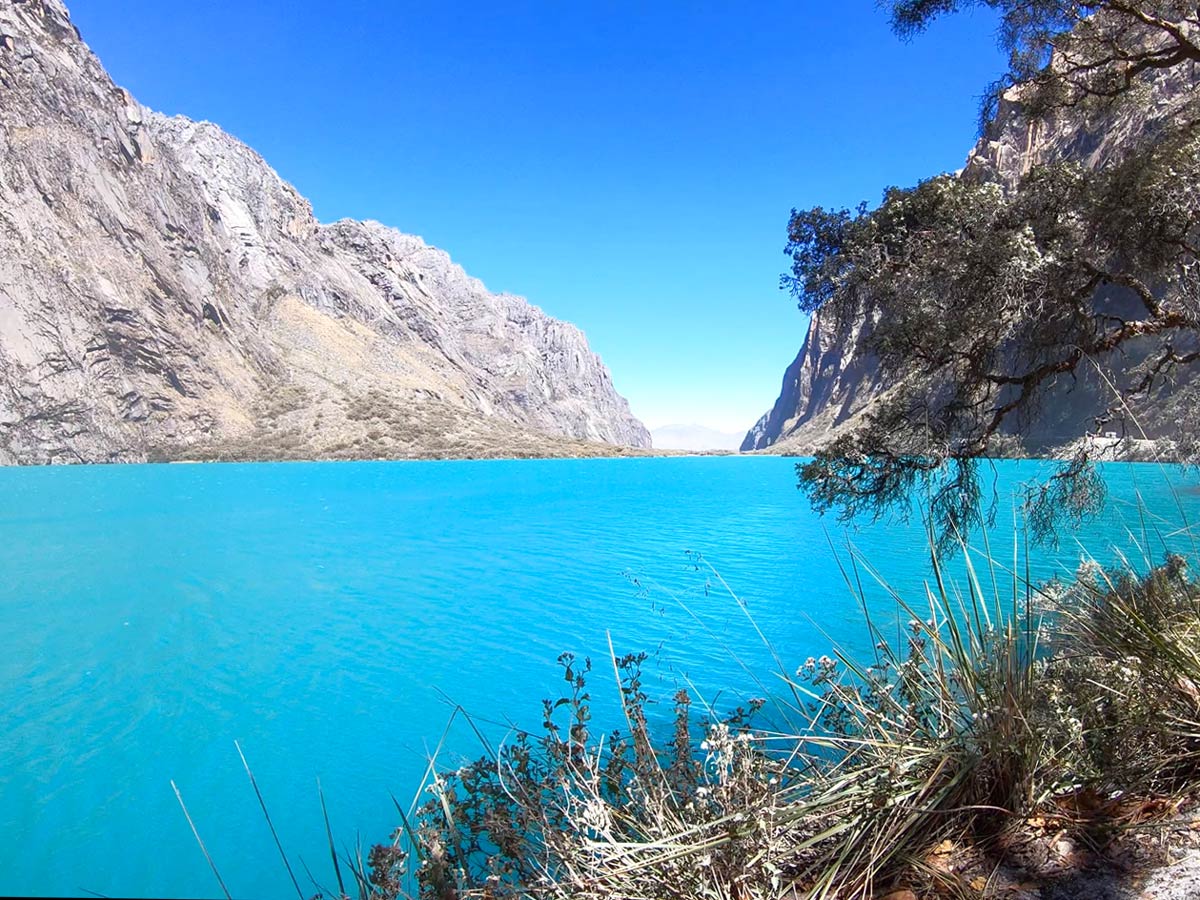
(985, 297)
(1070, 53)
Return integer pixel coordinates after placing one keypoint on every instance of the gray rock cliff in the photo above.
(165, 294)
(834, 379)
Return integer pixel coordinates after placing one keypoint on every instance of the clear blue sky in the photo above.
(629, 167)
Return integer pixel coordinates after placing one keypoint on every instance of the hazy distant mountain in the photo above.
(694, 437)
(165, 294)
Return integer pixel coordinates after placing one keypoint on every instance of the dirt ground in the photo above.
(1148, 850)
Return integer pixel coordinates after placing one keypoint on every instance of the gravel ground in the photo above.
(1156, 857)
(1177, 881)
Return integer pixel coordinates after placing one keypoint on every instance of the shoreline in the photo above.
(1173, 459)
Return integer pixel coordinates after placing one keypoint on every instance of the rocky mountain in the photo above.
(165, 294)
(835, 378)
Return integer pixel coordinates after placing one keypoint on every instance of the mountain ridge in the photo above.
(165, 294)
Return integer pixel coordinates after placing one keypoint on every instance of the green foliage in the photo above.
(815, 241)
(1070, 53)
(978, 302)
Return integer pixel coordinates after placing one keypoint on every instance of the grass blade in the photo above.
(271, 825)
(337, 869)
(203, 849)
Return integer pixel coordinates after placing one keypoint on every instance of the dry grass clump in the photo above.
(988, 711)
(999, 738)
(1124, 684)
(569, 813)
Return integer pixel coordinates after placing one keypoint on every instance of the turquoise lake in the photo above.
(327, 616)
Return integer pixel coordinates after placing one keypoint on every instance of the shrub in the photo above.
(990, 712)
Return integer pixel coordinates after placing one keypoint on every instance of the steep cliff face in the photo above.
(163, 293)
(834, 378)
(831, 380)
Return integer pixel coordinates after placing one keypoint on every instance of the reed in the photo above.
(1000, 703)
(991, 705)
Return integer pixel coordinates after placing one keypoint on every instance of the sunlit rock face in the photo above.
(835, 378)
(165, 294)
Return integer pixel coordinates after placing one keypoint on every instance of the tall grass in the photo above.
(987, 704)
(998, 702)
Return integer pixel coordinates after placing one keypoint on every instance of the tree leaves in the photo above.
(985, 299)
